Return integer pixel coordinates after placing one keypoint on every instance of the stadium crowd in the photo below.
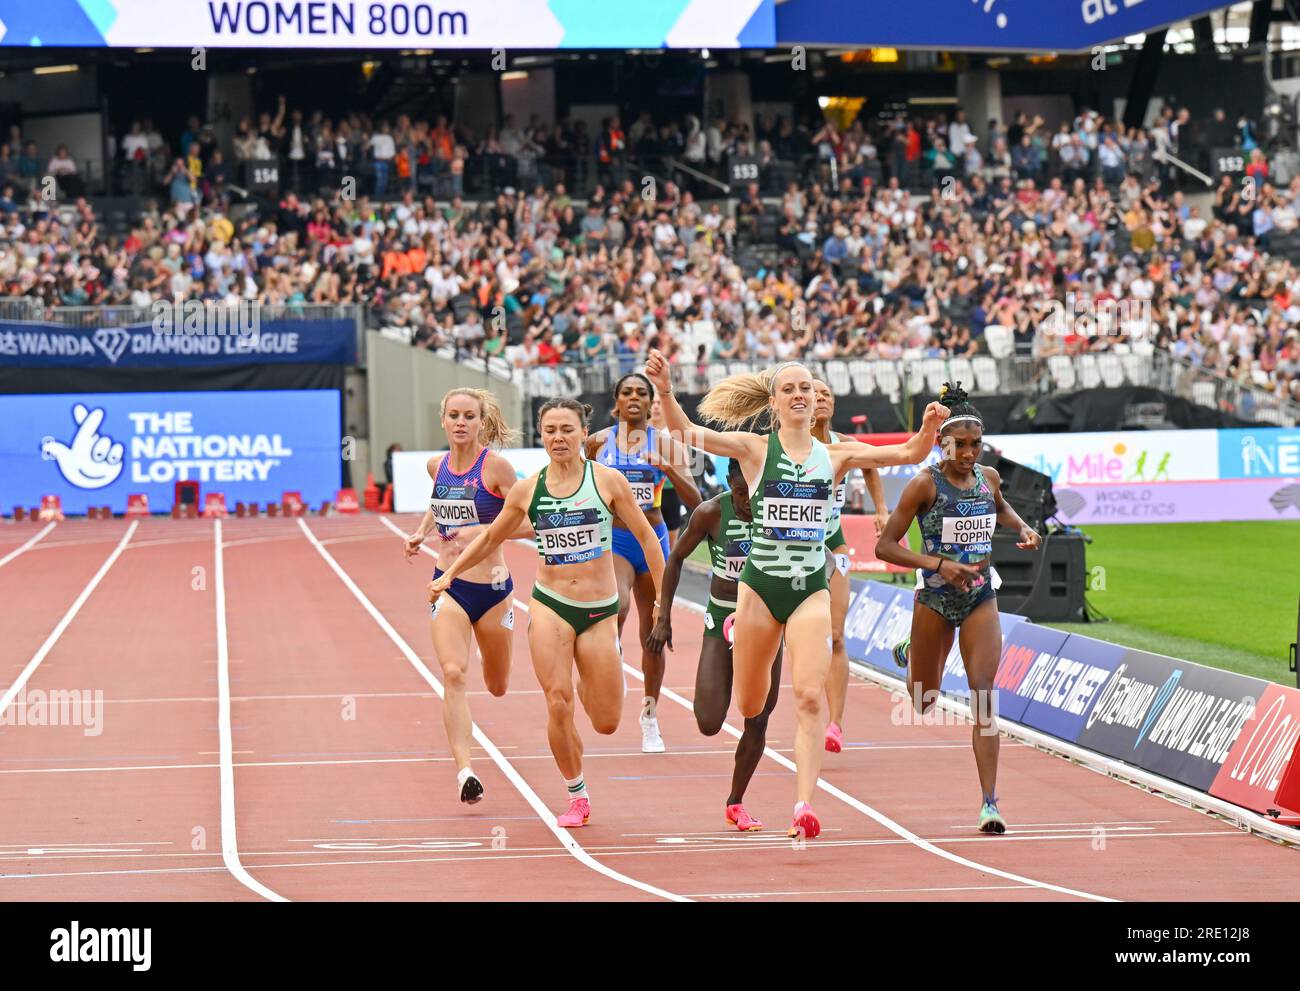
(898, 238)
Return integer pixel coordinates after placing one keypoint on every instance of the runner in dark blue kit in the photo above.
(958, 502)
(648, 459)
(470, 484)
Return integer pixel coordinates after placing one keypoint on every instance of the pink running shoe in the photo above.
(834, 738)
(578, 814)
(806, 824)
(739, 817)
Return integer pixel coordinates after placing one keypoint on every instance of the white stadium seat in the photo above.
(961, 371)
(1138, 368)
(936, 374)
(1203, 394)
(986, 373)
(1001, 340)
(837, 377)
(1062, 371)
(1089, 373)
(864, 383)
(915, 373)
(1112, 373)
(886, 375)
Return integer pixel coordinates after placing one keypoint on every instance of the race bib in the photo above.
(642, 481)
(453, 505)
(973, 533)
(736, 554)
(841, 495)
(795, 511)
(569, 536)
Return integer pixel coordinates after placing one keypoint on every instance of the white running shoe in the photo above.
(651, 741)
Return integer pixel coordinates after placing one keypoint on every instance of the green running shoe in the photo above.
(900, 652)
(991, 820)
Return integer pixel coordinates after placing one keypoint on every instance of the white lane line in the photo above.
(862, 891)
(880, 817)
(67, 619)
(311, 763)
(565, 836)
(1099, 822)
(27, 546)
(529, 853)
(229, 841)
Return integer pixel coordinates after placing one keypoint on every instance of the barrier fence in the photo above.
(897, 379)
(1217, 732)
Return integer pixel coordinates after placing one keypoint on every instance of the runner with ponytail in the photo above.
(783, 590)
(470, 485)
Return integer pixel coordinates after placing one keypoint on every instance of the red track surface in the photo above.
(344, 787)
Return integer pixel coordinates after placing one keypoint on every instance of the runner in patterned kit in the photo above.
(724, 522)
(783, 589)
(959, 504)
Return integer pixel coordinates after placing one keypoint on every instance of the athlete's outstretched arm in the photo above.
(848, 455)
(512, 514)
(674, 459)
(748, 448)
(414, 541)
(1008, 517)
(704, 522)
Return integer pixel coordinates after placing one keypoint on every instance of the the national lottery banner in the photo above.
(96, 449)
(482, 24)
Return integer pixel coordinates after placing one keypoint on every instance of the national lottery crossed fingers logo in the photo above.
(90, 460)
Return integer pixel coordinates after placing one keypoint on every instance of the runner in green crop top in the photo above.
(724, 522)
(573, 615)
(783, 590)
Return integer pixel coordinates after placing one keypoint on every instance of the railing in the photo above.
(895, 380)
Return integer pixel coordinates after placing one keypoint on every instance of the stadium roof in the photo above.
(979, 25)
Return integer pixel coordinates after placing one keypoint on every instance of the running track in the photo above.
(337, 783)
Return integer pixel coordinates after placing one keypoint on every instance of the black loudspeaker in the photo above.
(1029, 492)
(1046, 584)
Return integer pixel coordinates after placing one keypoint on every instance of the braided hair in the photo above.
(960, 408)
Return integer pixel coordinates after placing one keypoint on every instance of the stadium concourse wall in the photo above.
(405, 386)
(1172, 725)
